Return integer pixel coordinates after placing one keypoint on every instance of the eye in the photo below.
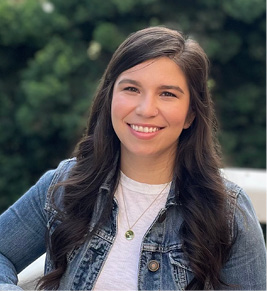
(131, 89)
(168, 94)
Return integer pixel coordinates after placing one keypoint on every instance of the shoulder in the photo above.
(62, 171)
(242, 217)
(233, 192)
(237, 197)
(52, 176)
(60, 174)
(252, 190)
(248, 251)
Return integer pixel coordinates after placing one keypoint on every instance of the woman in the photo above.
(142, 205)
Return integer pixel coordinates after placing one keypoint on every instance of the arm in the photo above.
(246, 267)
(22, 232)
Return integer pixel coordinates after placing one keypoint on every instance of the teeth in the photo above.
(144, 129)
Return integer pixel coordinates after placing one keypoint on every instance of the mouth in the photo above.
(145, 129)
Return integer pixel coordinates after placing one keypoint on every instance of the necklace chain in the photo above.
(129, 234)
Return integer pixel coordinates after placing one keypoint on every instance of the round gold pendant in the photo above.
(129, 234)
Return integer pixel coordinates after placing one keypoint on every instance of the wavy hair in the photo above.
(196, 171)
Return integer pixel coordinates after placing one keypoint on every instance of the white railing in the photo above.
(251, 180)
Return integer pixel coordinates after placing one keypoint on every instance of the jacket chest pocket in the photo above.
(85, 263)
(181, 271)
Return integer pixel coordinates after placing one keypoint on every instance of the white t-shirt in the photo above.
(120, 270)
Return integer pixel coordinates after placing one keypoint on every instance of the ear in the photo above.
(189, 119)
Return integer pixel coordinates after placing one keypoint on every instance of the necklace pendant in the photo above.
(129, 234)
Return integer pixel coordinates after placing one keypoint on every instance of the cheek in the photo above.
(120, 107)
(117, 111)
(114, 110)
(116, 107)
(177, 118)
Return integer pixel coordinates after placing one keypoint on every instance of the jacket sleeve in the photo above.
(246, 267)
(22, 232)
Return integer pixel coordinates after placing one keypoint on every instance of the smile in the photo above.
(145, 129)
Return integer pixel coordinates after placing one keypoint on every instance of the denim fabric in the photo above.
(23, 227)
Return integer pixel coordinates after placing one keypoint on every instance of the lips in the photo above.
(144, 129)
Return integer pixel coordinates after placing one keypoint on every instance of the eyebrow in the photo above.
(130, 81)
(177, 88)
(164, 87)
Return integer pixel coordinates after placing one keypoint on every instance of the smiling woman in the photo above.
(143, 204)
(148, 116)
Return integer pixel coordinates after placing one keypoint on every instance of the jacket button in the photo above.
(153, 266)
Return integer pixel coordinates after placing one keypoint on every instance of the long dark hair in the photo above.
(196, 172)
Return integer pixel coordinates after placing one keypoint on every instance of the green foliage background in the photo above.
(52, 55)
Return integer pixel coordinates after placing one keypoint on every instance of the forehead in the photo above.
(164, 63)
(140, 66)
(163, 71)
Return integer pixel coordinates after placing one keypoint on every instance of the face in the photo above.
(150, 108)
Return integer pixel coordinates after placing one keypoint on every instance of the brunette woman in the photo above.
(142, 205)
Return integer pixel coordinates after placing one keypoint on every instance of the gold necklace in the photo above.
(129, 234)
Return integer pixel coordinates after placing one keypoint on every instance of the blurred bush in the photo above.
(52, 54)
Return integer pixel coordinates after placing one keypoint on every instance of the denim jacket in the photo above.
(162, 263)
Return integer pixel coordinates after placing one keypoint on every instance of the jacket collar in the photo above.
(171, 200)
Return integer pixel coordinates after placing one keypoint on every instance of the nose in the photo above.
(147, 106)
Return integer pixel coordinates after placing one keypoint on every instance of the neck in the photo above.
(150, 170)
